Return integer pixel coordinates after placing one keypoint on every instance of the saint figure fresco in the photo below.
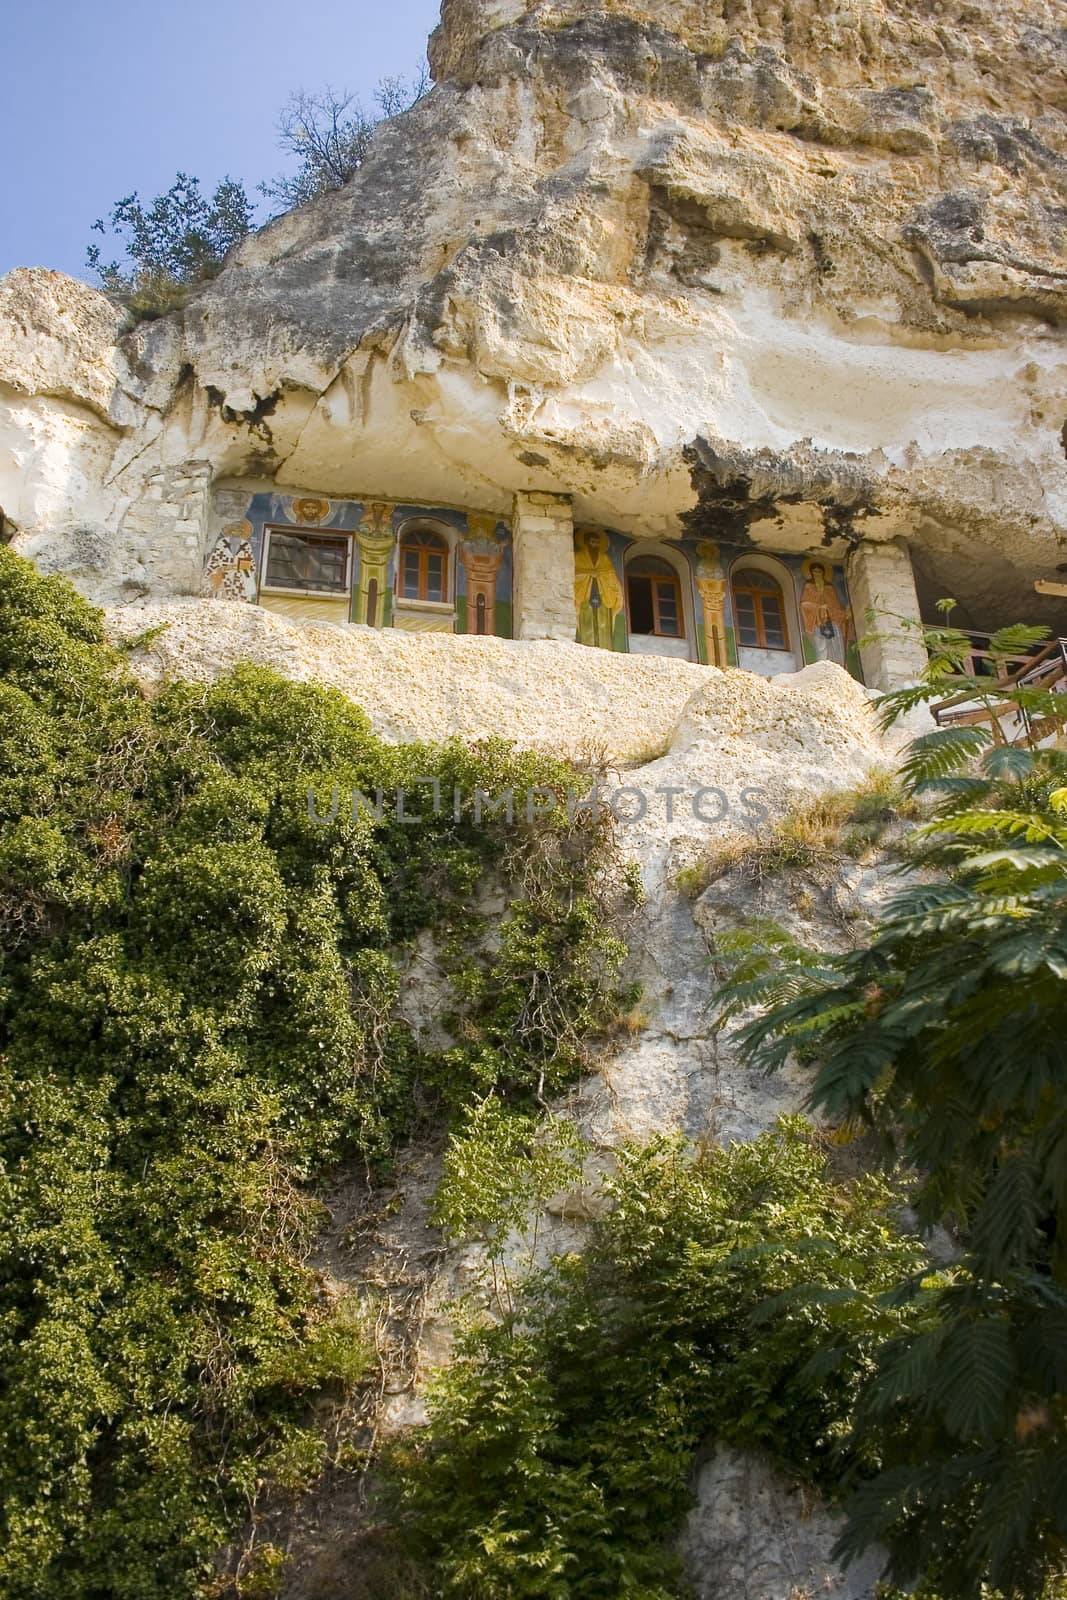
(597, 590)
(230, 572)
(824, 614)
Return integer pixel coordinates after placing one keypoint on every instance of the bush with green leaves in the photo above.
(501, 1169)
(738, 1295)
(945, 1035)
(197, 985)
(180, 240)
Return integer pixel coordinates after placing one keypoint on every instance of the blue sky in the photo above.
(102, 99)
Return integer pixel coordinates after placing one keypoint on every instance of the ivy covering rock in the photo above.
(197, 985)
(738, 1295)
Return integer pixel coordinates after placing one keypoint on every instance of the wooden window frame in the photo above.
(423, 552)
(310, 536)
(665, 573)
(757, 596)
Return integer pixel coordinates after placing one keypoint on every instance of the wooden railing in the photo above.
(1010, 722)
(982, 663)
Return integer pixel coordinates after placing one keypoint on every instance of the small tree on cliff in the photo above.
(179, 240)
(182, 238)
(330, 134)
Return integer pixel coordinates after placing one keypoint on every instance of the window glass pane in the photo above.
(747, 630)
(639, 594)
(299, 561)
(423, 539)
(668, 609)
(435, 577)
(753, 578)
(410, 587)
(773, 631)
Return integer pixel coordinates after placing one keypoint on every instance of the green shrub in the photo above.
(729, 1294)
(196, 992)
(942, 1036)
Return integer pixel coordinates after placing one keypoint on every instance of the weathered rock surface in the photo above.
(797, 732)
(750, 1536)
(754, 1536)
(699, 755)
(788, 271)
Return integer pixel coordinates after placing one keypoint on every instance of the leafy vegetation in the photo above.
(197, 985)
(816, 835)
(198, 1022)
(181, 239)
(500, 1171)
(736, 1294)
(745, 1297)
(178, 241)
(944, 1036)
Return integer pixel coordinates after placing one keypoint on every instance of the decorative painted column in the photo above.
(881, 582)
(543, 552)
(481, 560)
(374, 541)
(711, 586)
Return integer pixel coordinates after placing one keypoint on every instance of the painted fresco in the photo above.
(230, 570)
(826, 617)
(598, 593)
(479, 562)
(816, 597)
(711, 583)
(476, 549)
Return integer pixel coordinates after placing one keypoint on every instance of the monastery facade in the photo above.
(730, 332)
(441, 570)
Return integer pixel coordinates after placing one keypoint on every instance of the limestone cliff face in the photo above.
(792, 271)
(704, 755)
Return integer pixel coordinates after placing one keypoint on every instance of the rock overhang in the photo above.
(626, 237)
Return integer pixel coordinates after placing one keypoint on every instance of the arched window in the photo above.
(759, 611)
(654, 599)
(423, 566)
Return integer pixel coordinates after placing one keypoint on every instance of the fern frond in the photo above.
(1005, 1228)
(944, 751)
(847, 1079)
(1034, 828)
(1008, 761)
(1043, 1347)
(1002, 1527)
(974, 1377)
(1021, 956)
(904, 1370)
(877, 1504)
(890, 707)
(950, 786)
(1017, 639)
(805, 1294)
(1041, 864)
